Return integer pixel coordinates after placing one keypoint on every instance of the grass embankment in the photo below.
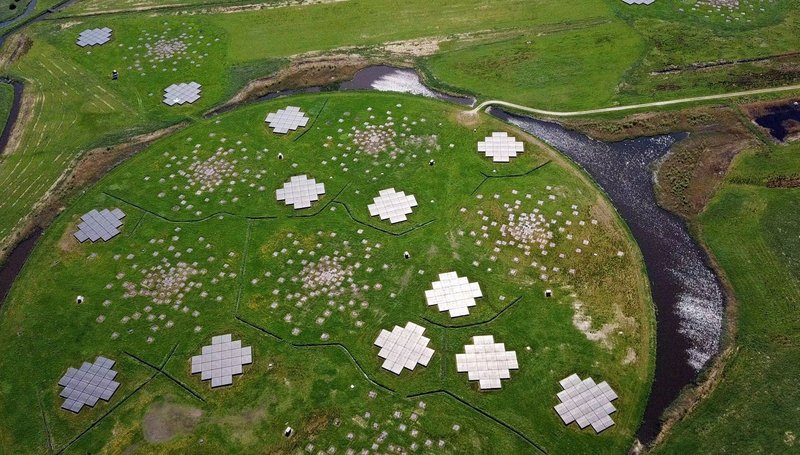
(754, 230)
(6, 101)
(88, 7)
(611, 63)
(250, 254)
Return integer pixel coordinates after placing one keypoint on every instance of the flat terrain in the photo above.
(201, 203)
(206, 249)
(754, 409)
(469, 37)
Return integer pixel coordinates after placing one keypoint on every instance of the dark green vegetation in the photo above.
(12, 8)
(6, 100)
(249, 254)
(754, 231)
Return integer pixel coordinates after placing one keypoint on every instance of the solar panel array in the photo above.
(94, 37)
(586, 403)
(287, 119)
(392, 205)
(453, 294)
(639, 2)
(221, 360)
(103, 225)
(487, 362)
(88, 384)
(501, 147)
(182, 93)
(300, 191)
(404, 347)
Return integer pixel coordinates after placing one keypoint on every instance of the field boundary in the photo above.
(476, 323)
(483, 413)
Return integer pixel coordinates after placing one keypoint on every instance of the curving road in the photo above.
(631, 107)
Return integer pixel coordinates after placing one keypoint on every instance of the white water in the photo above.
(404, 81)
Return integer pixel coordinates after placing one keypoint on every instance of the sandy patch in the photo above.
(630, 357)
(583, 322)
(789, 438)
(68, 243)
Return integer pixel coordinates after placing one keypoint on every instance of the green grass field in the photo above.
(315, 365)
(614, 61)
(754, 409)
(97, 111)
(541, 53)
(566, 69)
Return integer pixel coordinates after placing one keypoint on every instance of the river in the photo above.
(687, 294)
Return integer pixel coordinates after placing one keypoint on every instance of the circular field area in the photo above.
(314, 250)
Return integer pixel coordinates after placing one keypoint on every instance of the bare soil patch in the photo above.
(15, 47)
(163, 421)
(784, 182)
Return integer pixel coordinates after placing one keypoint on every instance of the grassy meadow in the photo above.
(576, 68)
(315, 365)
(615, 61)
(754, 408)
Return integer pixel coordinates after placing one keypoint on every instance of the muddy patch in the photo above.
(784, 182)
(67, 243)
(164, 421)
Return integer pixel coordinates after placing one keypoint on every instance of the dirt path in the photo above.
(631, 107)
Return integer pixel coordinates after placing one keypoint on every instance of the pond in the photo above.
(778, 118)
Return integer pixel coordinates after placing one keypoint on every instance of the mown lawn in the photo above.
(754, 232)
(247, 255)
